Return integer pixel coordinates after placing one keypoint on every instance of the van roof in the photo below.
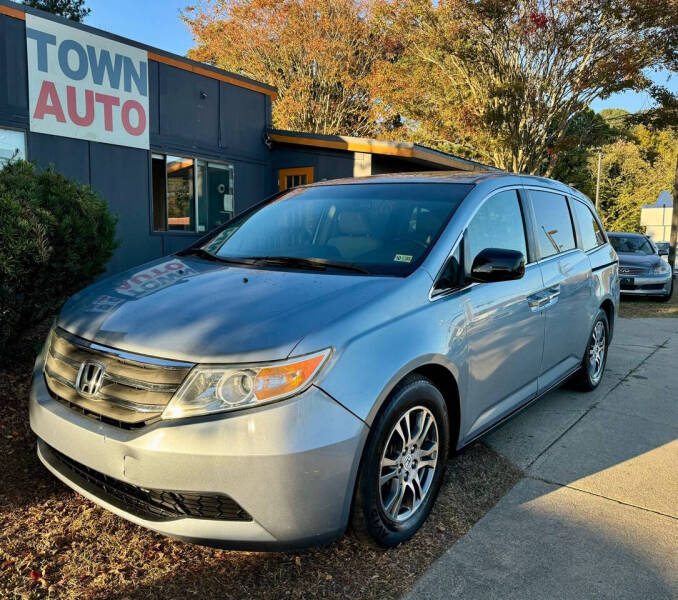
(468, 177)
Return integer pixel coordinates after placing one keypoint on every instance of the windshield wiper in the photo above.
(319, 264)
(202, 253)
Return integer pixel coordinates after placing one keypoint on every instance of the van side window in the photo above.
(591, 234)
(553, 222)
(497, 224)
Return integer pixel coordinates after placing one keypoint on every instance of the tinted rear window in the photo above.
(591, 234)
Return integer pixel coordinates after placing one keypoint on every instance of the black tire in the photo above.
(667, 297)
(369, 520)
(585, 379)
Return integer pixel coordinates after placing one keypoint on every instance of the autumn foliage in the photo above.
(320, 54)
(502, 81)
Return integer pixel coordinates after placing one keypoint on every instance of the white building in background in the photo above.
(657, 218)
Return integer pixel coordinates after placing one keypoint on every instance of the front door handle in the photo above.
(537, 301)
(553, 294)
(544, 298)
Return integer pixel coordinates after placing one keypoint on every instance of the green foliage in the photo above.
(55, 237)
(74, 10)
(586, 133)
(664, 115)
(634, 172)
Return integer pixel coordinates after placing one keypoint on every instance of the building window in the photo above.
(191, 194)
(289, 178)
(12, 145)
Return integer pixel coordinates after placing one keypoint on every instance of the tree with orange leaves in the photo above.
(321, 55)
(503, 80)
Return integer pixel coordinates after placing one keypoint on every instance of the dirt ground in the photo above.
(54, 543)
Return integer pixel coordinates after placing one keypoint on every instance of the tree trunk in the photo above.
(674, 222)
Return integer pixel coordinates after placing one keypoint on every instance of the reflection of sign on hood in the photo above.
(154, 278)
(86, 86)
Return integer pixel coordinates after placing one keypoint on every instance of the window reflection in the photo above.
(180, 193)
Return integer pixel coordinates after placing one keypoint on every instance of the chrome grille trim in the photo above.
(135, 406)
(140, 359)
(141, 385)
(73, 363)
(59, 378)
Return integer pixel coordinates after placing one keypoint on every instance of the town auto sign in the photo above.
(85, 86)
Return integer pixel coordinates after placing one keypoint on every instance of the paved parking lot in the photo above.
(596, 515)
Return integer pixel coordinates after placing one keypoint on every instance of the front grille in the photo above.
(133, 391)
(153, 504)
(633, 270)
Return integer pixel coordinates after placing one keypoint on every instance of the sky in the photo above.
(157, 23)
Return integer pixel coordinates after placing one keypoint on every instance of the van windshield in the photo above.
(381, 229)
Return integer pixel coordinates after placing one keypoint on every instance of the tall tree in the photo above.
(320, 54)
(504, 79)
(75, 10)
(664, 115)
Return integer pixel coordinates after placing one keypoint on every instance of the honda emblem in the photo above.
(90, 378)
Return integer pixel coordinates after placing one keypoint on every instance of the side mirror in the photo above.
(497, 264)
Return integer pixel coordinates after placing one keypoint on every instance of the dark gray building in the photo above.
(175, 147)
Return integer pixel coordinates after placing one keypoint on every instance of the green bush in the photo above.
(56, 236)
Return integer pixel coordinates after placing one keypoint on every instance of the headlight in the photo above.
(213, 389)
(662, 269)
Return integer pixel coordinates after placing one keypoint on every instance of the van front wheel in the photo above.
(403, 464)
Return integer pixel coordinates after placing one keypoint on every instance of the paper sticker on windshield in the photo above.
(403, 258)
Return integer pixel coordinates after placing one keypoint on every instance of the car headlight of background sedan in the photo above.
(214, 389)
(662, 268)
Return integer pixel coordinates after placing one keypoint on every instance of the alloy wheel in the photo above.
(408, 464)
(597, 350)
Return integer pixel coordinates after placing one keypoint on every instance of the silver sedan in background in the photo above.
(312, 363)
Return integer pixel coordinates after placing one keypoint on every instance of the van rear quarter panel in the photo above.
(605, 270)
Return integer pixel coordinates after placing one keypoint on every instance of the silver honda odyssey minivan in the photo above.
(311, 364)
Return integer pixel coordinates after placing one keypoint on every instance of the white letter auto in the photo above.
(85, 86)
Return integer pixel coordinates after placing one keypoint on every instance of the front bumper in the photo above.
(291, 466)
(646, 285)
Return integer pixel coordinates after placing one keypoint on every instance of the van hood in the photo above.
(195, 310)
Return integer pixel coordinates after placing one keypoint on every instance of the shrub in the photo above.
(56, 236)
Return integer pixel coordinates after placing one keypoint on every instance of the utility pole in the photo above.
(600, 160)
(674, 222)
